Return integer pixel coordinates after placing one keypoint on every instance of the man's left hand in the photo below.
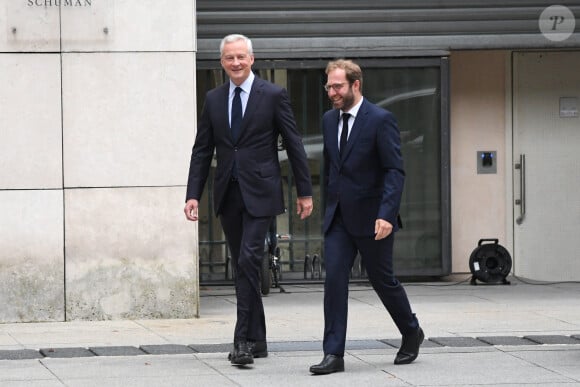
(382, 229)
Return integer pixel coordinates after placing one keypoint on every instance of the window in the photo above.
(414, 91)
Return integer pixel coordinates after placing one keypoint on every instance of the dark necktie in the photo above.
(344, 134)
(236, 123)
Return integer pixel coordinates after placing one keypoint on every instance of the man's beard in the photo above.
(347, 101)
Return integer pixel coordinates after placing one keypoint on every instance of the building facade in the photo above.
(466, 79)
(98, 103)
(97, 117)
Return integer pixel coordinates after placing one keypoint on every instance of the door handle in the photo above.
(522, 200)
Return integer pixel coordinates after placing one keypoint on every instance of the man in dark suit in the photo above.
(241, 121)
(363, 185)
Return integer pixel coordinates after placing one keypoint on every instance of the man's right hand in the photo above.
(191, 209)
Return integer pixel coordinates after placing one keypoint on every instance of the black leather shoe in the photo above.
(241, 354)
(328, 365)
(258, 348)
(410, 347)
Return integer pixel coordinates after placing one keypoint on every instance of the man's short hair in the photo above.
(234, 38)
(351, 69)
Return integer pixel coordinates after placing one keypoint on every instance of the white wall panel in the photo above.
(28, 28)
(32, 256)
(30, 128)
(145, 25)
(128, 118)
(130, 254)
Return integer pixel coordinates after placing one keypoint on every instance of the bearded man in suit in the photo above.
(364, 179)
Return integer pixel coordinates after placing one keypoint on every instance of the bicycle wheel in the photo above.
(276, 270)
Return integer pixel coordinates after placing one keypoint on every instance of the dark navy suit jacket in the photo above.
(268, 113)
(367, 182)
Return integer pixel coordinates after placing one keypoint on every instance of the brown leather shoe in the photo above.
(328, 365)
(410, 347)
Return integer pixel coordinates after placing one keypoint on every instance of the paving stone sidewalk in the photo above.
(516, 335)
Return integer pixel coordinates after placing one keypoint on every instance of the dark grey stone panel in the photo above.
(20, 354)
(289, 346)
(211, 348)
(167, 349)
(366, 344)
(66, 352)
(506, 340)
(458, 341)
(117, 351)
(397, 343)
(552, 339)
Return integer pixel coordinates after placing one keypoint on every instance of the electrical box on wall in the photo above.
(486, 162)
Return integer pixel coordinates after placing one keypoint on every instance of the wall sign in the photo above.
(59, 3)
(64, 20)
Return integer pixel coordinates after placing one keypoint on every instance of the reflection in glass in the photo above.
(413, 94)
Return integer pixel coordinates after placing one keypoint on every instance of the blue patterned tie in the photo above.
(236, 123)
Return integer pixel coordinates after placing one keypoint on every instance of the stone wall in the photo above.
(97, 119)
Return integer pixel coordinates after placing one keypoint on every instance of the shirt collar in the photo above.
(353, 110)
(246, 85)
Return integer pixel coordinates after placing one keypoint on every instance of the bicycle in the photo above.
(271, 271)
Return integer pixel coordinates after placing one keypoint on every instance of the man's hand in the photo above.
(191, 209)
(382, 229)
(304, 207)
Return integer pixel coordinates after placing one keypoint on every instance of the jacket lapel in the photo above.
(357, 127)
(333, 137)
(255, 96)
(224, 123)
(253, 102)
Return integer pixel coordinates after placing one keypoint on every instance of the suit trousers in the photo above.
(340, 250)
(245, 235)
